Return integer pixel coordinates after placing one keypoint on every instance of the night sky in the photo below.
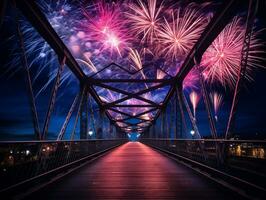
(15, 115)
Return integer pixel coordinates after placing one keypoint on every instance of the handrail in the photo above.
(207, 140)
(55, 141)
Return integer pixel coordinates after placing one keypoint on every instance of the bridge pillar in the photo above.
(99, 131)
(178, 118)
(84, 116)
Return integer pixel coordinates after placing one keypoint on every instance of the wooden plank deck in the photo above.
(132, 171)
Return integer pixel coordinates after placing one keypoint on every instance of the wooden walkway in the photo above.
(132, 171)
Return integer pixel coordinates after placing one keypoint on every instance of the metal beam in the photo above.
(137, 94)
(123, 120)
(252, 11)
(84, 116)
(143, 113)
(125, 69)
(92, 81)
(71, 110)
(207, 106)
(82, 91)
(28, 80)
(124, 92)
(132, 106)
(53, 98)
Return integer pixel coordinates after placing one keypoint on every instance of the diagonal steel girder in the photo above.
(128, 123)
(142, 113)
(142, 120)
(128, 80)
(125, 93)
(136, 117)
(123, 113)
(147, 65)
(137, 94)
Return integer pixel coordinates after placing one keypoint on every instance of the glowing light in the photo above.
(217, 101)
(194, 99)
(42, 55)
(90, 133)
(192, 132)
(27, 152)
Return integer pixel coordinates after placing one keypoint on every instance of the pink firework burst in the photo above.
(145, 19)
(177, 37)
(106, 26)
(221, 61)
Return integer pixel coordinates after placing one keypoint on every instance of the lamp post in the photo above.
(192, 132)
(90, 133)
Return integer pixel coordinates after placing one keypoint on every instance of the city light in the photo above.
(27, 152)
(192, 132)
(90, 133)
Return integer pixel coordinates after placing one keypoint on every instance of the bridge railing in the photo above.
(22, 161)
(240, 155)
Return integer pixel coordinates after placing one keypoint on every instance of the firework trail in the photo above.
(40, 55)
(221, 61)
(135, 58)
(217, 100)
(145, 19)
(194, 99)
(178, 36)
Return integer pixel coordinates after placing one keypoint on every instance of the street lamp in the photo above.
(90, 133)
(192, 132)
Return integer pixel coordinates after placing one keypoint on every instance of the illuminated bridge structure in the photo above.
(164, 163)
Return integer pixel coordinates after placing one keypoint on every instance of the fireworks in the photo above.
(191, 80)
(160, 74)
(217, 101)
(145, 19)
(106, 26)
(36, 47)
(39, 54)
(150, 36)
(194, 99)
(178, 36)
(134, 57)
(221, 61)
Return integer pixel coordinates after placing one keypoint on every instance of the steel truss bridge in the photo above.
(240, 175)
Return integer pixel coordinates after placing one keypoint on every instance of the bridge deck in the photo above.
(132, 171)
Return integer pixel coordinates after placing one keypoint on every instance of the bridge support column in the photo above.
(163, 127)
(99, 134)
(84, 115)
(178, 118)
